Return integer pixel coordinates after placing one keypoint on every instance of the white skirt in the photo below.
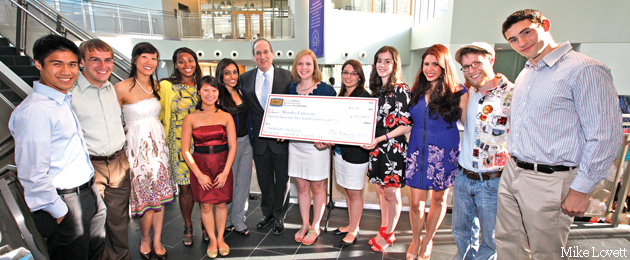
(307, 162)
(349, 175)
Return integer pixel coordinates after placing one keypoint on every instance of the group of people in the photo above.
(88, 152)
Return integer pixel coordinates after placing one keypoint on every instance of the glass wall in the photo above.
(429, 9)
(218, 19)
(246, 19)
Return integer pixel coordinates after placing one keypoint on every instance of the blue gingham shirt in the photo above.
(565, 111)
(50, 151)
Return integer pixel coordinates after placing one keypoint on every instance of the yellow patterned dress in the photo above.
(177, 101)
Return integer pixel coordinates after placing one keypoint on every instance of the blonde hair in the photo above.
(317, 74)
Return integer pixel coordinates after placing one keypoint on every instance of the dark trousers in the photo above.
(273, 180)
(112, 180)
(81, 233)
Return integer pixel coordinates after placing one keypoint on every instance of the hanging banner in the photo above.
(316, 27)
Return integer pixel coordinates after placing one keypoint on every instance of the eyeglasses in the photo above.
(474, 65)
(345, 73)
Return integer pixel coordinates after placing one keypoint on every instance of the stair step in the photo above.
(6, 50)
(15, 60)
(4, 42)
(29, 79)
(11, 95)
(28, 70)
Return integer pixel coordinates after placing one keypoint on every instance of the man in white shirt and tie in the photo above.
(271, 156)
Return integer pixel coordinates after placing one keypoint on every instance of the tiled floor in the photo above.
(263, 244)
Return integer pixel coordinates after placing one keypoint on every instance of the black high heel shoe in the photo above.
(145, 255)
(338, 232)
(343, 243)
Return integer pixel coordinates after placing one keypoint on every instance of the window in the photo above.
(429, 9)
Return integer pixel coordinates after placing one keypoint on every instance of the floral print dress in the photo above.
(151, 185)
(433, 150)
(387, 161)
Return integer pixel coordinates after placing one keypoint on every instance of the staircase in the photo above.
(20, 65)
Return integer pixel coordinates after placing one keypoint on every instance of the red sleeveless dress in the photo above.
(211, 165)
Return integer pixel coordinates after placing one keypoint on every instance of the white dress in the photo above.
(307, 162)
(151, 184)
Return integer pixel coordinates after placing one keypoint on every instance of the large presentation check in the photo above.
(340, 120)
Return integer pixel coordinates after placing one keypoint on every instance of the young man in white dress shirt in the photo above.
(52, 158)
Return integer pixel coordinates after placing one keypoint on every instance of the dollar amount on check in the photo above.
(341, 120)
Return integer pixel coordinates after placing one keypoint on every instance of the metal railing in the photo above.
(68, 28)
(25, 21)
(102, 17)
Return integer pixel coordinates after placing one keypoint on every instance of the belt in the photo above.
(211, 149)
(475, 176)
(541, 167)
(104, 158)
(79, 189)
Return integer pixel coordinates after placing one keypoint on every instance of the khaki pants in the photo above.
(529, 214)
(112, 180)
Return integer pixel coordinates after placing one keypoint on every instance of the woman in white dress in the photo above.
(151, 184)
(309, 164)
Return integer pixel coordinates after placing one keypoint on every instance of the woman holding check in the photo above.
(309, 162)
(387, 157)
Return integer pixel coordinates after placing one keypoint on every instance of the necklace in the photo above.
(305, 89)
(142, 87)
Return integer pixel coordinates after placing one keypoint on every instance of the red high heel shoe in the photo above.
(382, 229)
(376, 247)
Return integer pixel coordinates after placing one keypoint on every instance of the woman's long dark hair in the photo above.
(444, 99)
(224, 96)
(359, 70)
(139, 49)
(226, 101)
(176, 76)
(377, 86)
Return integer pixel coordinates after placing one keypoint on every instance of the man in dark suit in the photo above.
(271, 157)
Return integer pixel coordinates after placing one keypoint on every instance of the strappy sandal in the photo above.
(382, 229)
(373, 240)
(301, 232)
(188, 235)
(376, 247)
(311, 232)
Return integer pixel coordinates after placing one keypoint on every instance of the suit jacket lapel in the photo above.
(277, 81)
(252, 81)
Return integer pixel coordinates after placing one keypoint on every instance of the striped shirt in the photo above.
(565, 111)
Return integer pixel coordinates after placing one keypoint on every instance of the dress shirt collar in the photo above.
(83, 83)
(269, 72)
(52, 93)
(553, 57)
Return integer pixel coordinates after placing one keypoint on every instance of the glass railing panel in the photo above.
(215, 22)
(8, 19)
(255, 26)
(35, 30)
(223, 27)
(106, 21)
(190, 26)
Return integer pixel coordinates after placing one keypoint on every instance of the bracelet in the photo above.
(386, 137)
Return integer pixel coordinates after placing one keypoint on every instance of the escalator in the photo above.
(21, 23)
